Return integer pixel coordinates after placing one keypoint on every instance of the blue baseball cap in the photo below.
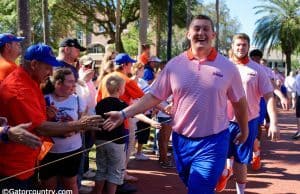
(122, 58)
(42, 53)
(7, 38)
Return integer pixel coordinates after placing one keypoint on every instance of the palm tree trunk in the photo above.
(288, 63)
(143, 24)
(118, 22)
(188, 13)
(23, 23)
(45, 21)
(157, 35)
(217, 24)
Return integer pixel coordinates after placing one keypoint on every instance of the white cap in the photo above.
(86, 60)
(155, 59)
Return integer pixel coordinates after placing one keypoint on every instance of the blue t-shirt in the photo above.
(148, 73)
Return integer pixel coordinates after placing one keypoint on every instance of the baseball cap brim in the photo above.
(51, 61)
(19, 39)
(81, 48)
(132, 60)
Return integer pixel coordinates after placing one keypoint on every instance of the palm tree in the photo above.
(143, 23)
(279, 26)
(217, 24)
(45, 21)
(23, 23)
(118, 22)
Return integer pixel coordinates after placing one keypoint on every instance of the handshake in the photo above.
(96, 122)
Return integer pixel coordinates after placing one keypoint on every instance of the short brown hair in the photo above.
(203, 17)
(137, 66)
(241, 36)
(113, 84)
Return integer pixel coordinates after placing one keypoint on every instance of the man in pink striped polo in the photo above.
(256, 83)
(201, 81)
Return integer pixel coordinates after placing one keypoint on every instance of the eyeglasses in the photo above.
(90, 66)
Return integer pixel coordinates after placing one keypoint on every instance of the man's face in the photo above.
(152, 64)
(40, 71)
(201, 34)
(256, 59)
(14, 49)
(127, 68)
(240, 48)
(73, 53)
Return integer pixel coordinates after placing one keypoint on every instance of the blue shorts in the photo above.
(200, 161)
(262, 111)
(242, 153)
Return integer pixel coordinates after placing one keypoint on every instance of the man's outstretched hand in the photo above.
(113, 120)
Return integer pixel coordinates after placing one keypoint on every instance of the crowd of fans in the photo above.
(54, 110)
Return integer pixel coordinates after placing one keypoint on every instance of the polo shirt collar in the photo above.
(242, 61)
(211, 57)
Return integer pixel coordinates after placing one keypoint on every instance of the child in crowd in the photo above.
(111, 156)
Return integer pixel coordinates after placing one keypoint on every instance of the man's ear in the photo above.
(187, 35)
(34, 64)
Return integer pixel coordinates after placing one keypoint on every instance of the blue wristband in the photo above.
(4, 134)
(123, 114)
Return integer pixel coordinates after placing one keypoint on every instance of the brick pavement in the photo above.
(280, 172)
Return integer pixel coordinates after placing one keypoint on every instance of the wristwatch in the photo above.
(4, 134)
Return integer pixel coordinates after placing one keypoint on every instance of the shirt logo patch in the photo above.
(252, 74)
(218, 74)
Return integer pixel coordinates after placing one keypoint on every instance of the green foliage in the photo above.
(130, 40)
(8, 16)
(279, 25)
(295, 64)
(60, 23)
(228, 26)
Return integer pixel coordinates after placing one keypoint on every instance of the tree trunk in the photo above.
(188, 13)
(288, 63)
(157, 35)
(45, 22)
(23, 24)
(143, 24)
(118, 22)
(169, 40)
(217, 24)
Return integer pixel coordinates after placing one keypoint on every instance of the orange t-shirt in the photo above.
(132, 90)
(6, 67)
(21, 101)
(144, 58)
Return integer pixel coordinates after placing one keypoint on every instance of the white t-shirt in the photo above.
(67, 111)
(289, 83)
(144, 86)
(164, 104)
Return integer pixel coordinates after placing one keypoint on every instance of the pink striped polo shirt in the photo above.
(256, 83)
(200, 92)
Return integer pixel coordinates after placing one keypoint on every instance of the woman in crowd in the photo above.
(63, 106)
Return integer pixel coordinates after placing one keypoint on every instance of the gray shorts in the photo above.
(110, 160)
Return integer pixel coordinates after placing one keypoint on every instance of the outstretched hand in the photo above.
(240, 138)
(274, 132)
(19, 134)
(114, 119)
(155, 124)
(284, 103)
(94, 122)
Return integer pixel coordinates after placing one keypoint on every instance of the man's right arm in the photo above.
(48, 128)
(115, 118)
(241, 114)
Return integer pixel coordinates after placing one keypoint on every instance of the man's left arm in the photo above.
(274, 132)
